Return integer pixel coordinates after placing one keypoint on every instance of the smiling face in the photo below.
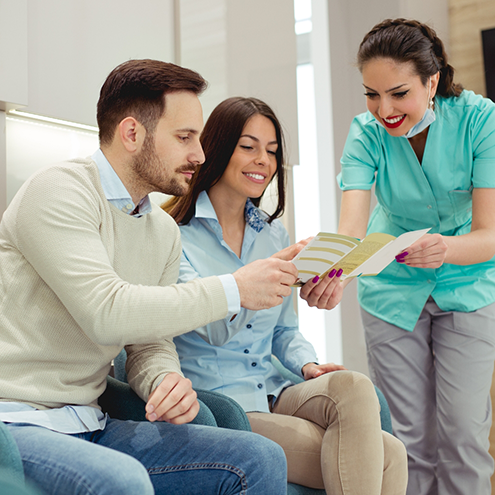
(169, 157)
(395, 94)
(253, 162)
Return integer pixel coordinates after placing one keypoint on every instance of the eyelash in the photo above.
(399, 95)
(274, 153)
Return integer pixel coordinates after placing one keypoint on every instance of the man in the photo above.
(88, 265)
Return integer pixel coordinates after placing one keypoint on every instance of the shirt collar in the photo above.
(252, 215)
(114, 189)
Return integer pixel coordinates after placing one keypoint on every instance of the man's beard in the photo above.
(151, 172)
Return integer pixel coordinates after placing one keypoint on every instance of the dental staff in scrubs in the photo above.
(428, 146)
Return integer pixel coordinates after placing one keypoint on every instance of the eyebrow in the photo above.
(192, 131)
(256, 139)
(387, 90)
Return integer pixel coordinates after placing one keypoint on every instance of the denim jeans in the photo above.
(141, 458)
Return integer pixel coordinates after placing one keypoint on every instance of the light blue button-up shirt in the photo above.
(78, 419)
(437, 193)
(234, 357)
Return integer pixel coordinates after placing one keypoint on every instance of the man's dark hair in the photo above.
(137, 88)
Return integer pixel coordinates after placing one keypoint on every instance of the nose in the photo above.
(385, 108)
(197, 156)
(263, 158)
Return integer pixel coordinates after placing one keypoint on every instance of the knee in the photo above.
(268, 451)
(267, 462)
(127, 478)
(351, 387)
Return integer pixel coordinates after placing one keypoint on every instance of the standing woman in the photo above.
(329, 425)
(429, 318)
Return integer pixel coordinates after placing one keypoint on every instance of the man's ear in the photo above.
(131, 134)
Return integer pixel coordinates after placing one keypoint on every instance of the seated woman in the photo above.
(329, 425)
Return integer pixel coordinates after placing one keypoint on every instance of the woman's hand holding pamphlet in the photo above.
(356, 258)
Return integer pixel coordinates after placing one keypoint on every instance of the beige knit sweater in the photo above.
(79, 280)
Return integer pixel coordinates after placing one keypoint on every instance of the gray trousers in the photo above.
(437, 382)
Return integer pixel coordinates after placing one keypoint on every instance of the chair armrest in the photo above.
(227, 412)
(10, 458)
(119, 401)
(385, 416)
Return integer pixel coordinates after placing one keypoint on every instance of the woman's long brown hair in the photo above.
(219, 139)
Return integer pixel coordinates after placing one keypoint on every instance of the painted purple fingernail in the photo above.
(339, 273)
(316, 279)
(400, 260)
(332, 273)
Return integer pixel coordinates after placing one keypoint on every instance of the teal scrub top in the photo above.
(437, 193)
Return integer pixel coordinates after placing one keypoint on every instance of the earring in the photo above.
(431, 104)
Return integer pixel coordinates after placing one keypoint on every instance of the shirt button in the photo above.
(128, 206)
(260, 385)
(249, 325)
(429, 281)
(429, 207)
(246, 351)
(254, 364)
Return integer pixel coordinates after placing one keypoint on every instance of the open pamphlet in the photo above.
(355, 257)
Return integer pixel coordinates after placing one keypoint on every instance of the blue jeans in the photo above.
(141, 458)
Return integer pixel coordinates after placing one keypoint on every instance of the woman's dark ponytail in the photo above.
(405, 40)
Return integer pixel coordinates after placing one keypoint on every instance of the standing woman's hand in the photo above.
(428, 252)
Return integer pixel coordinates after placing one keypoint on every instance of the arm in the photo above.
(293, 350)
(354, 214)
(173, 401)
(431, 251)
(221, 331)
(153, 371)
(63, 239)
(288, 344)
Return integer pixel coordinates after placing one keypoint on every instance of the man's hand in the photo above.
(324, 293)
(290, 252)
(313, 370)
(264, 283)
(427, 252)
(173, 401)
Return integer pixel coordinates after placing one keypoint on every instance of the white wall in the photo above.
(73, 45)
(55, 54)
(246, 50)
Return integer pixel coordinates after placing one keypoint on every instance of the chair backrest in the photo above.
(119, 366)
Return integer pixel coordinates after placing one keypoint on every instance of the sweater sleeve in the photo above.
(147, 365)
(58, 231)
